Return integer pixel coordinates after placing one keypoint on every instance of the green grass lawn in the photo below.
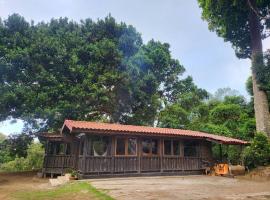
(70, 191)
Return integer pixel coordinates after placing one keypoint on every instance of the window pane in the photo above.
(154, 147)
(167, 147)
(190, 149)
(100, 146)
(59, 148)
(146, 146)
(176, 147)
(81, 146)
(68, 149)
(132, 146)
(120, 146)
(51, 148)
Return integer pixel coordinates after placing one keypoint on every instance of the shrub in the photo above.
(258, 153)
(34, 160)
(16, 165)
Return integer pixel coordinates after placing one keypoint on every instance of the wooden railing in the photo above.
(59, 161)
(126, 164)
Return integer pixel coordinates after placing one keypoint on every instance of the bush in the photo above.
(16, 165)
(35, 155)
(34, 160)
(258, 153)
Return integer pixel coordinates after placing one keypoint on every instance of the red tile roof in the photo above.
(97, 126)
(50, 136)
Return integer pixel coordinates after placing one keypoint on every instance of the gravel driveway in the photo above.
(183, 187)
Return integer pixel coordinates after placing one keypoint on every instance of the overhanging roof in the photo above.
(86, 126)
(50, 136)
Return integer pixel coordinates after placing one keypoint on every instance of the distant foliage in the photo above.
(258, 153)
(229, 116)
(33, 161)
(173, 116)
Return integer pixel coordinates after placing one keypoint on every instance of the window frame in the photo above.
(172, 147)
(126, 146)
(82, 146)
(195, 145)
(151, 148)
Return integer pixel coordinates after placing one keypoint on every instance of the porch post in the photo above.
(113, 150)
(139, 154)
(161, 143)
(182, 154)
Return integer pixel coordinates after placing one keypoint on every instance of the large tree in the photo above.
(244, 23)
(84, 71)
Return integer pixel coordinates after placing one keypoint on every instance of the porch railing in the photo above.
(59, 161)
(126, 164)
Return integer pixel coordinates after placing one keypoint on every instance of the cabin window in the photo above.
(190, 149)
(146, 146)
(68, 149)
(167, 147)
(50, 148)
(120, 146)
(132, 146)
(100, 146)
(154, 147)
(176, 147)
(150, 147)
(126, 146)
(81, 146)
(172, 147)
(59, 148)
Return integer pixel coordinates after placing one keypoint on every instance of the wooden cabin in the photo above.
(102, 149)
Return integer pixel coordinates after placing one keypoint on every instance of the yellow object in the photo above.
(221, 169)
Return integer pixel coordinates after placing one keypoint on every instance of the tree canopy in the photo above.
(85, 71)
(245, 23)
(230, 20)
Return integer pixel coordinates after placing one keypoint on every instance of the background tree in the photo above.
(244, 23)
(84, 71)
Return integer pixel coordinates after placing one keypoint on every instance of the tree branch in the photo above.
(255, 10)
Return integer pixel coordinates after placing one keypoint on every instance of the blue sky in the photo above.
(207, 58)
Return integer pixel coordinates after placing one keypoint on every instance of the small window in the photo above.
(100, 146)
(132, 146)
(81, 146)
(150, 147)
(126, 146)
(50, 148)
(68, 149)
(146, 146)
(167, 147)
(59, 148)
(154, 147)
(172, 147)
(190, 149)
(120, 146)
(176, 147)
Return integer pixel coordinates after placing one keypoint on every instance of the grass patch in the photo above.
(69, 191)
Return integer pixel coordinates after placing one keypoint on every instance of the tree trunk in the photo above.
(260, 98)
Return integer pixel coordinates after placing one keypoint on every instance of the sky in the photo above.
(207, 58)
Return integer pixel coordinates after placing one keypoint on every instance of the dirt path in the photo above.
(13, 182)
(184, 187)
(174, 187)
